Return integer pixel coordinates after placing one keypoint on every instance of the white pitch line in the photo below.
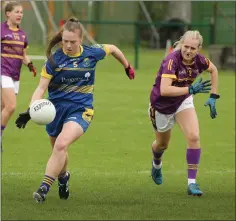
(37, 57)
(77, 172)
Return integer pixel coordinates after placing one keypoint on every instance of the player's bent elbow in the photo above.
(212, 68)
(112, 48)
(163, 92)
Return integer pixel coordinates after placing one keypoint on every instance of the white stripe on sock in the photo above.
(157, 166)
(191, 181)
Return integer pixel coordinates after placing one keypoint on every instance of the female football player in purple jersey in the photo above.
(171, 101)
(13, 54)
(69, 77)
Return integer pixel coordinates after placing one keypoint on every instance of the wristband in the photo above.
(215, 96)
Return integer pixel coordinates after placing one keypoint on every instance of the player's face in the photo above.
(16, 15)
(190, 48)
(71, 42)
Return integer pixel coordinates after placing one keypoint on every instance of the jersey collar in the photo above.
(75, 55)
(12, 29)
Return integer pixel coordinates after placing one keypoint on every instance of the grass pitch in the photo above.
(110, 165)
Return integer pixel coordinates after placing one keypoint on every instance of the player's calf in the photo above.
(156, 167)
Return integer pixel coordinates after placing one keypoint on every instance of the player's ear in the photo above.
(8, 14)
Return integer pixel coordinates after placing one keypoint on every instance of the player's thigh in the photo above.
(163, 138)
(75, 125)
(8, 97)
(161, 122)
(188, 122)
(8, 91)
(162, 125)
(71, 131)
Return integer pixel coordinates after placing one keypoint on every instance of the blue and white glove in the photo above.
(200, 87)
(211, 102)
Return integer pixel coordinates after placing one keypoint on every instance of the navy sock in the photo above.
(47, 182)
(63, 177)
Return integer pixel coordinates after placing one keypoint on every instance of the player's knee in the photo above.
(163, 146)
(60, 146)
(159, 145)
(193, 137)
(154, 145)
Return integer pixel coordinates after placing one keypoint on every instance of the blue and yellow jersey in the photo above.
(72, 77)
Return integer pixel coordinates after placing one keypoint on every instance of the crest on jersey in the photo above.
(86, 62)
(16, 36)
(190, 72)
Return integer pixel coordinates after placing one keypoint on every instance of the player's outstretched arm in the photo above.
(118, 54)
(211, 102)
(24, 117)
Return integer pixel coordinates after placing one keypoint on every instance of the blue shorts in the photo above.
(66, 112)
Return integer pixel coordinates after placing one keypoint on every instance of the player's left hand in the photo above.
(32, 68)
(130, 72)
(23, 119)
(211, 102)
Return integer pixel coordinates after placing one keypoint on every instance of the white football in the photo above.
(42, 111)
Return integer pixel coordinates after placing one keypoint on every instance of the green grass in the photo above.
(110, 164)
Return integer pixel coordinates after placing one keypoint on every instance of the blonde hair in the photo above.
(192, 34)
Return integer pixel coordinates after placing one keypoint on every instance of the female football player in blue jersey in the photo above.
(69, 76)
(171, 101)
(13, 53)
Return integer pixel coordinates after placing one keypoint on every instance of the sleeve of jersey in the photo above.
(169, 69)
(47, 70)
(101, 51)
(202, 63)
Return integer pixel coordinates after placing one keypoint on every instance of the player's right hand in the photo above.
(23, 119)
(32, 68)
(130, 72)
(200, 87)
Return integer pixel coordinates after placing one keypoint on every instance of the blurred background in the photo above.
(138, 24)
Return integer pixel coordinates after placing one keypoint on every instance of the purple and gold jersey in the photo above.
(13, 43)
(182, 75)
